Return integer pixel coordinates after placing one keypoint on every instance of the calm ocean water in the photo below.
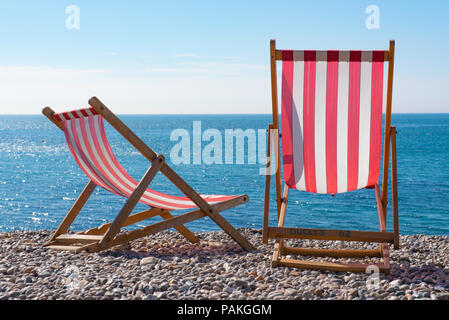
(39, 180)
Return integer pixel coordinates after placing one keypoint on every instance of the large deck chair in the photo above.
(331, 121)
(86, 138)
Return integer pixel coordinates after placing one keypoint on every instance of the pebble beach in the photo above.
(166, 266)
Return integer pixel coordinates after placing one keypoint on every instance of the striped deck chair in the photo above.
(331, 121)
(86, 137)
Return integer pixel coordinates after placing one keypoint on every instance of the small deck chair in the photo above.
(331, 121)
(86, 138)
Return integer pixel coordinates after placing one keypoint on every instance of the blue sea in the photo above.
(39, 179)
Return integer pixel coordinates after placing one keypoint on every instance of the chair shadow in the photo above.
(430, 274)
(177, 246)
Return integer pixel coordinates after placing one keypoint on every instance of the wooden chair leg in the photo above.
(394, 189)
(189, 235)
(282, 214)
(380, 209)
(279, 243)
(266, 206)
(384, 247)
(76, 208)
(132, 201)
(266, 210)
(276, 254)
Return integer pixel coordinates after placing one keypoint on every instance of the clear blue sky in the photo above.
(204, 56)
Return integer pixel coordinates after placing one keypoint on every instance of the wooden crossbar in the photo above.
(78, 238)
(330, 266)
(326, 234)
(332, 252)
(266, 206)
(65, 248)
(394, 189)
(387, 134)
(278, 55)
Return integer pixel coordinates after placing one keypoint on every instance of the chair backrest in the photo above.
(87, 141)
(331, 119)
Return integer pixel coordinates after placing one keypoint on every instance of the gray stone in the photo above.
(11, 270)
(241, 283)
(148, 260)
(307, 295)
(395, 283)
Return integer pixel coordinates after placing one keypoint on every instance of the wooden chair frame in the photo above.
(280, 232)
(107, 235)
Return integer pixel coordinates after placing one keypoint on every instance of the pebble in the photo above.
(318, 292)
(395, 283)
(354, 293)
(148, 260)
(307, 295)
(165, 266)
(241, 283)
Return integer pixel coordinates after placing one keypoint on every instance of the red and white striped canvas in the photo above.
(75, 114)
(86, 138)
(331, 119)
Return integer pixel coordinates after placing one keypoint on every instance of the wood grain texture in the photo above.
(266, 205)
(327, 234)
(78, 238)
(330, 266)
(394, 189)
(333, 252)
(48, 112)
(275, 111)
(387, 127)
